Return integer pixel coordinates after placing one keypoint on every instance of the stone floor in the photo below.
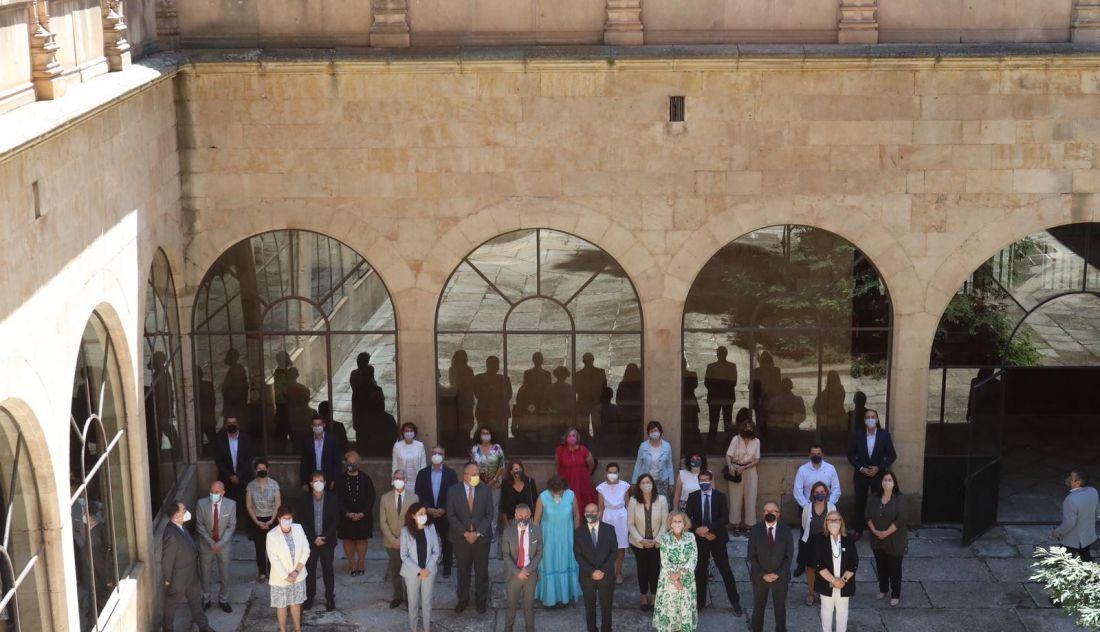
(946, 588)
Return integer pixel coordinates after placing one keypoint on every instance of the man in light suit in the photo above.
(391, 517)
(470, 518)
(217, 521)
(595, 546)
(522, 550)
(1078, 529)
(771, 551)
(179, 566)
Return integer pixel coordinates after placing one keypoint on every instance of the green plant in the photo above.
(1073, 584)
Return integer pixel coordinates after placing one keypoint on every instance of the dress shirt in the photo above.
(836, 548)
(808, 475)
(871, 443)
(318, 449)
(233, 449)
(595, 529)
(437, 481)
(319, 514)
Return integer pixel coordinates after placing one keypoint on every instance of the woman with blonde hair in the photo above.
(835, 558)
(676, 609)
(287, 553)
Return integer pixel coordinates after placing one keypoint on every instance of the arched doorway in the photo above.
(550, 322)
(282, 320)
(1014, 364)
(793, 324)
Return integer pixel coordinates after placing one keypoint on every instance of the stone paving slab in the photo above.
(1016, 569)
(952, 621)
(977, 595)
(932, 569)
(1048, 621)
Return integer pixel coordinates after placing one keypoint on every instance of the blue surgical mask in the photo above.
(704, 485)
(820, 496)
(214, 498)
(317, 430)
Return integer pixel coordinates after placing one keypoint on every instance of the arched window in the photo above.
(538, 330)
(288, 323)
(98, 476)
(1014, 365)
(24, 597)
(791, 323)
(164, 416)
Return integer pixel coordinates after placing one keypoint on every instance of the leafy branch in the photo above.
(1073, 584)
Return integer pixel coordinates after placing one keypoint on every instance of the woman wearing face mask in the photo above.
(886, 520)
(420, 551)
(356, 493)
(835, 558)
(655, 458)
(287, 553)
(647, 514)
(813, 527)
(408, 453)
(675, 609)
(558, 515)
(261, 497)
(613, 495)
(575, 465)
(489, 456)
(688, 479)
(517, 489)
(742, 457)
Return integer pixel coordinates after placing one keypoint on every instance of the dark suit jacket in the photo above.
(179, 559)
(329, 521)
(460, 518)
(883, 457)
(719, 516)
(764, 559)
(423, 487)
(330, 459)
(596, 558)
(509, 547)
(821, 558)
(246, 452)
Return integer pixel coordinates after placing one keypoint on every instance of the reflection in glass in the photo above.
(539, 330)
(284, 322)
(798, 320)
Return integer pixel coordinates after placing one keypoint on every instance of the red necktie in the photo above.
(216, 522)
(771, 537)
(522, 557)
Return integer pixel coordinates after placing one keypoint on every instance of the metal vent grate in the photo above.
(676, 109)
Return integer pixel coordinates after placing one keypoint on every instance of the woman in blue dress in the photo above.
(557, 514)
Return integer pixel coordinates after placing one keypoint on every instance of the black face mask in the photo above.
(353, 467)
(261, 473)
(817, 458)
(696, 463)
(769, 518)
(232, 428)
(748, 434)
(518, 473)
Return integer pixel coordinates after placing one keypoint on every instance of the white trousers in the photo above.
(840, 605)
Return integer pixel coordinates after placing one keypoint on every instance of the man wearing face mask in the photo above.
(320, 453)
(595, 546)
(871, 452)
(180, 566)
(770, 553)
(470, 522)
(1077, 532)
(816, 469)
(319, 515)
(708, 512)
(234, 451)
(393, 506)
(217, 521)
(431, 487)
(522, 548)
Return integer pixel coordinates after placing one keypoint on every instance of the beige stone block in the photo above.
(802, 82)
(1034, 132)
(998, 132)
(724, 82)
(861, 157)
(772, 107)
(744, 183)
(914, 182)
(572, 84)
(1048, 156)
(924, 156)
(929, 213)
(783, 158)
(971, 156)
(851, 132)
(965, 107)
(1086, 181)
(1041, 81)
(947, 82)
(989, 181)
(710, 183)
(1078, 155)
(1042, 181)
(937, 132)
(641, 84)
(944, 181)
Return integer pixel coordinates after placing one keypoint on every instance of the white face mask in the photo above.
(834, 528)
(409, 436)
(646, 486)
(398, 484)
(318, 486)
(286, 523)
(888, 484)
(422, 520)
(677, 527)
(186, 516)
(612, 477)
(486, 438)
(437, 459)
(871, 422)
(656, 434)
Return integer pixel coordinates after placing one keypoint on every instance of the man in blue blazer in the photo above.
(871, 453)
(320, 453)
(431, 488)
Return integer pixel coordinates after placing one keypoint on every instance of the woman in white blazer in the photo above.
(813, 526)
(287, 552)
(644, 532)
(419, 560)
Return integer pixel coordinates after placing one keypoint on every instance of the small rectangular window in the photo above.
(676, 109)
(37, 200)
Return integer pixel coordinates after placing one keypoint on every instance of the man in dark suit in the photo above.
(871, 453)
(470, 518)
(708, 511)
(595, 547)
(234, 452)
(320, 453)
(771, 550)
(431, 488)
(180, 568)
(319, 515)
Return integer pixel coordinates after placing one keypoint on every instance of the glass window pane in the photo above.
(21, 530)
(1063, 332)
(364, 388)
(509, 262)
(461, 358)
(608, 303)
(539, 314)
(568, 263)
(470, 304)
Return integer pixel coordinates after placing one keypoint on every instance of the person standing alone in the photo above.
(1077, 532)
(771, 551)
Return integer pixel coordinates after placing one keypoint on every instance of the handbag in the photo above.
(733, 477)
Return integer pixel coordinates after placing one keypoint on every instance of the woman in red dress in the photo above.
(575, 465)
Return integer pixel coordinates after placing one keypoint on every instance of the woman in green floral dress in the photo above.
(674, 610)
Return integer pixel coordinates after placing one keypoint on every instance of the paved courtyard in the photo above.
(946, 588)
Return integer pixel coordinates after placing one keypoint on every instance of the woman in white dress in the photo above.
(613, 495)
(687, 481)
(287, 554)
(408, 453)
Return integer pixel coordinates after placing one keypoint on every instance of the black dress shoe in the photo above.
(330, 605)
(460, 606)
(481, 609)
(800, 571)
(224, 605)
(307, 604)
(395, 602)
(737, 609)
(446, 573)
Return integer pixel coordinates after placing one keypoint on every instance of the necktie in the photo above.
(595, 538)
(706, 509)
(522, 558)
(470, 498)
(216, 521)
(399, 497)
(771, 537)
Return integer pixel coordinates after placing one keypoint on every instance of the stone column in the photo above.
(857, 22)
(168, 25)
(1085, 26)
(663, 380)
(115, 47)
(624, 23)
(907, 418)
(390, 25)
(46, 72)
